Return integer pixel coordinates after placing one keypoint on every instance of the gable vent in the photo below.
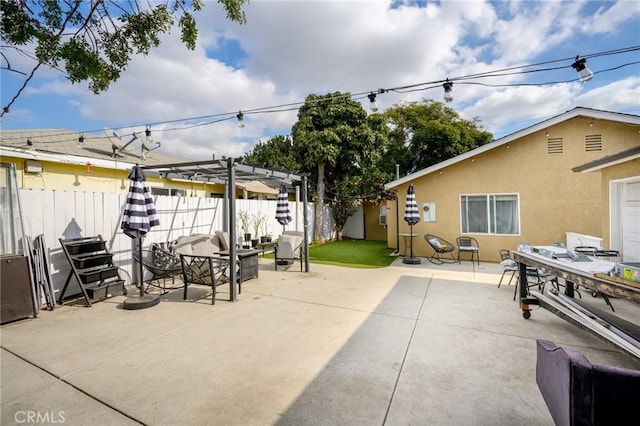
(554, 146)
(593, 143)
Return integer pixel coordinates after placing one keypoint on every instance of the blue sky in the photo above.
(289, 49)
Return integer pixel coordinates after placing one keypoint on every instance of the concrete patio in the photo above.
(406, 344)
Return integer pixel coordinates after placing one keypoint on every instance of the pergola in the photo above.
(227, 171)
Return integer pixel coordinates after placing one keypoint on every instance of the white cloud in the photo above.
(519, 104)
(295, 48)
(609, 20)
(622, 96)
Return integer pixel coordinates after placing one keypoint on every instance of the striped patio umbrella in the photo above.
(283, 215)
(139, 212)
(411, 216)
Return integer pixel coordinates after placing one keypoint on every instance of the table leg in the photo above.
(568, 289)
(522, 282)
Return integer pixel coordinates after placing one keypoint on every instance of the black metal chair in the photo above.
(203, 270)
(163, 266)
(536, 278)
(468, 245)
(442, 250)
(509, 266)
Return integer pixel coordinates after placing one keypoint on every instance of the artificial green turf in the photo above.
(352, 253)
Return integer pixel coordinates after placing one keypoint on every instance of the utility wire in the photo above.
(524, 70)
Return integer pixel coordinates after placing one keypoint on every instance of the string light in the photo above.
(372, 100)
(584, 73)
(448, 95)
(579, 64)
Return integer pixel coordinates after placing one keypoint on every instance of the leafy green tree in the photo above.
(95, 39)
(338, 144)
(425, 133)
(276, 153)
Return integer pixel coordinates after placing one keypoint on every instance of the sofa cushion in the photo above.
(223, 238)
(198, 245)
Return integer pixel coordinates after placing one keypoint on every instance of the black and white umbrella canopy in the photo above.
(412, 217)
(411, 214)
(139, 211)
(283, 214)
(139, 214)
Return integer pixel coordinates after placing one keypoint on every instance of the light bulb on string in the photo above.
(584, 73)
(448, 90)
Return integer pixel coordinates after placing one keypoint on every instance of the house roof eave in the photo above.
(31, 154)
(609, 160)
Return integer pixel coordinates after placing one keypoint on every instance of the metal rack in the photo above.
(92, 266)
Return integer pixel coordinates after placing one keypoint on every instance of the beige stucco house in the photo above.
(521, 188)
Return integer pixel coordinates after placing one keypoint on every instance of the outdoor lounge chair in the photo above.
(468, 245)
(289, 247)
(162, 264)
(201, 270)
(442, 250)
(201, 261)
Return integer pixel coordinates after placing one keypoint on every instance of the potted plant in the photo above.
(264, 235)
(258, 222)
(244, 219)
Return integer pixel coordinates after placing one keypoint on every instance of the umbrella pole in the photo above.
(141, 268)
(411, 238)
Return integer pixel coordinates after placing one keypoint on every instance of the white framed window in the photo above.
(168, 191)
(490, 214)
(382, 218)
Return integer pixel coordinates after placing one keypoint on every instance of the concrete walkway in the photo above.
(402, 345)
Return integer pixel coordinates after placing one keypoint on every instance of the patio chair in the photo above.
(289, 247)
(538, 279)
(509, 266)
(468, 245)
(202, 270)
(442, 250)
(162, 264)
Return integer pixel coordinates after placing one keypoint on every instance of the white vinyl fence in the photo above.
(68, 214)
